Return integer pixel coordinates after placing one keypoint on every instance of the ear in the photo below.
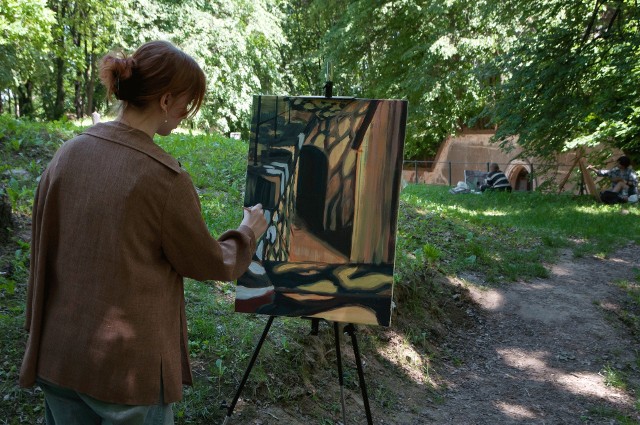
(165, 100)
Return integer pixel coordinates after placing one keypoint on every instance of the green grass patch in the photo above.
(217, 166)
(614, 377)
(507, 236)
(606, 412)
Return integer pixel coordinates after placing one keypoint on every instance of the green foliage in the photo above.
(614, 377)
(305, 25)
(50, 51)
(556, 74)
(24, 37)
(236, 43)
(570, 75)
(630, 314)
(611, 413)
(422, 51)
(25, 149)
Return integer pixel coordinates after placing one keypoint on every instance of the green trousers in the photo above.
(67, 407)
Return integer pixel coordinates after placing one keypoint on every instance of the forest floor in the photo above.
(546, 351)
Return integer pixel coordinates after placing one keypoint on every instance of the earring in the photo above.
(165, 116)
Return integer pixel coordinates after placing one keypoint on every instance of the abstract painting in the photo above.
(327, 172)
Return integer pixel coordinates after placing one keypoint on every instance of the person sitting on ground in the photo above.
(496, 180)
(624, 180)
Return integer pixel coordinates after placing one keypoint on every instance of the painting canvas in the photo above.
(327, 172)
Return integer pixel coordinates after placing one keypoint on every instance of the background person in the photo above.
(116, 226)
(624, 181)
(496, 180)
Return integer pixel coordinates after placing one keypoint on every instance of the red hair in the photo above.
(156, 68)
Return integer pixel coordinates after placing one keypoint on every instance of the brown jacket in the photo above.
(116, 225)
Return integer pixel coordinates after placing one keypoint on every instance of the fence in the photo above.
(448, 167)
(450, 172)
(521, 174)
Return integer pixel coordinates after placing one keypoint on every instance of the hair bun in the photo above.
(123, 67)
(115, 69)
(123, 70)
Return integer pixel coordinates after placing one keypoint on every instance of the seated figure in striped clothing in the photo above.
(496, 180)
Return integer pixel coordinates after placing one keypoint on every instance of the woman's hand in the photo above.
(254, 218)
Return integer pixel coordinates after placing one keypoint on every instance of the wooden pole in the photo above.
(566, 177)
(591, 185)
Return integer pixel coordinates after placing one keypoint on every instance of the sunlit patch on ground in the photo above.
(490, 299)
(584, 383)
(516, 411)
(495, 213)
(532, 361)
(405, 357)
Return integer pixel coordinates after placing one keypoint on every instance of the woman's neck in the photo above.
(144, 121)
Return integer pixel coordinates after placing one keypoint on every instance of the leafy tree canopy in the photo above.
(23, 39)
(556, 74)
(570, 76)
(424, 51)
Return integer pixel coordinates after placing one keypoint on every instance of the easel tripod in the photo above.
(579, 161)
(349, 329)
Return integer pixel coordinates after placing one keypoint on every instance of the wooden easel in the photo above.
(586, 176)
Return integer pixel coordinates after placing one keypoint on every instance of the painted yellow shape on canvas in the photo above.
(369, 282)
(322, 287)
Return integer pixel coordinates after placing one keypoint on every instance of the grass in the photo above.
(507, 237)
(494, 239)
(630, 315)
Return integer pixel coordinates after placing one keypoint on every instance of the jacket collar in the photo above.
(130, 137)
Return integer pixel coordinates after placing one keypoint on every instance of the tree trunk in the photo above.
(88, 77)
(60, 9)
(77, 98)
(91, 84)
(16, 108)
(58, 106)
(77, 84)
(6, 223)
(25, 99)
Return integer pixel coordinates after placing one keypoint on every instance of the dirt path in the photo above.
(540, 349)
(537, 354)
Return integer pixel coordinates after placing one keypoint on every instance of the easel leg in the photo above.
(336, 333)
(315, 324)
(351, 330)
(248, 371)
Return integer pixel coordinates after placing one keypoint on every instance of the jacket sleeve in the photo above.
(189, 246)
(35, 239)
(633, 179)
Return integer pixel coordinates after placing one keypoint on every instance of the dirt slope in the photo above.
(537, 353)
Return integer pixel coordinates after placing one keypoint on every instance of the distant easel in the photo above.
(328, 86)
(586, 176)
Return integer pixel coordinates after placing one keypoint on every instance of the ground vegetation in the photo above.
(506, 307)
